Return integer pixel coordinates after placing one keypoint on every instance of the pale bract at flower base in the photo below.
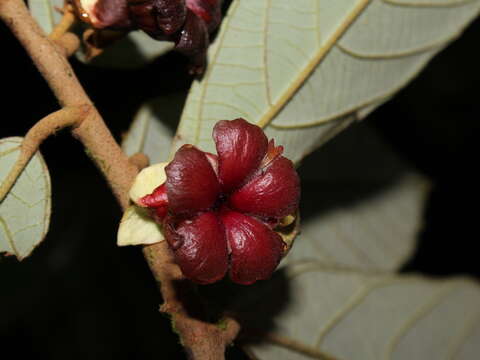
(137, 226)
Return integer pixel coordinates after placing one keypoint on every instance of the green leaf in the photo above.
(306, 69)
(25, 211)
(133, 51)
(152, 129)
(46, 13)
(353, 316)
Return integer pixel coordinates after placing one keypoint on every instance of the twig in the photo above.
(67, 21)
(202, 340)
(69, 42)
(68, 116)
(140, 160)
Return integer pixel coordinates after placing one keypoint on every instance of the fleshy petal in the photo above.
(274, 192)
(255, 249)
(241, 147)
(192, 185)
(200, 247)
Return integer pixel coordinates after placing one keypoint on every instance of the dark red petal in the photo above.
(241, 147)
(191, 182)
(255, 249)
(274, 192)
(200, 247)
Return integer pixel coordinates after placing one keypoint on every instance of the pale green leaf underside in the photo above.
(149, 133)
(46, 13)
(359, 317)
(25, 212)
(324, 60)
(135, 50)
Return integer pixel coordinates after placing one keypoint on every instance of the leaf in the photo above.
(152, 133)
(306, 69)
(46, 13)
(25, 211)
(133, 51)
(356, 316)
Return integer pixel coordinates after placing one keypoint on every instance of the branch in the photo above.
(202, 340)
(67, 21)
(69, 116)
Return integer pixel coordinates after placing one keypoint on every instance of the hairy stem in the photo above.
(201, 340)
(68, 116)
(58, 73)
(67, 21)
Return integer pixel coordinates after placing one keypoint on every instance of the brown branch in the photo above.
(67, 21)
(49, 125)
(202, 340)
(140, 160)
(69, 42)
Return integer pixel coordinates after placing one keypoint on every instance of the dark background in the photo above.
(80, 297)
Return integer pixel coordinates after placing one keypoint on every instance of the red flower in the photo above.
(219, 212)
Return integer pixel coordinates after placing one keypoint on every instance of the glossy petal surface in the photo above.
(200, 247)
(191, 182)
(256, 250)
(241, 147)
(274, 192)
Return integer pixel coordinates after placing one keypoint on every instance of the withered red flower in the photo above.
(219, 212)
(188, 23)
